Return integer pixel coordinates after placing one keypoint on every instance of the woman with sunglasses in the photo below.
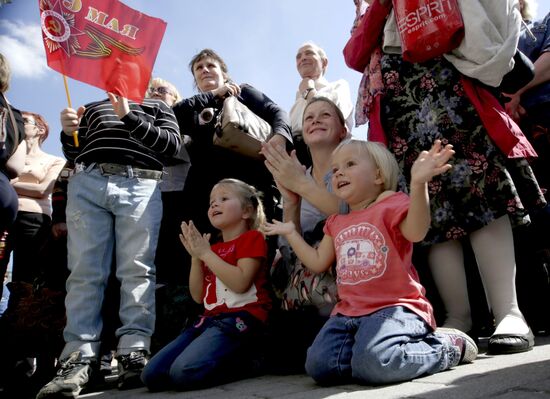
(34, 187)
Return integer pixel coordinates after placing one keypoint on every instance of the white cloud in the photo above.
(22, 44)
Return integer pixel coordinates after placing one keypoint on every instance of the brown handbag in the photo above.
(241, 130)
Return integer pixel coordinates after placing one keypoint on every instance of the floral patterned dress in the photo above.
(425, 102)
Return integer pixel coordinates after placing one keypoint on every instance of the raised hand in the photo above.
(431, 163)
(285, 168)
(278, 228)
(195, 243)
(120, 105)
(289, 197)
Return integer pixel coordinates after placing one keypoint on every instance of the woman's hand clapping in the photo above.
(286, 169)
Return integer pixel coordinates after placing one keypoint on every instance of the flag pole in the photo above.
(75, 133)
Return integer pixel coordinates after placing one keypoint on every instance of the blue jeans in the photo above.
(213, 351)
(106, 213)
(391, 345)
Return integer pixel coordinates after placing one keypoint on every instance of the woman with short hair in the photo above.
(210, 163)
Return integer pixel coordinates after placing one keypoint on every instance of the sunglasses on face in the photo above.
(27, 121)
(160, 90)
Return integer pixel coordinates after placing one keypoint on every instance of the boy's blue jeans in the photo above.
(106, 214)
(391, 345)
(213, 351)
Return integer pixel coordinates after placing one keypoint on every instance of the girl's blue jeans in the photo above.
(391, 345)
(213, 351)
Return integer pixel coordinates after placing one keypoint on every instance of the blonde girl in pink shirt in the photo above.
(382, 330)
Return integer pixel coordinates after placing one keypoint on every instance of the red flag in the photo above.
(101, 42)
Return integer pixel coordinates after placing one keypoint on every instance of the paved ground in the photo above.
(520, 376)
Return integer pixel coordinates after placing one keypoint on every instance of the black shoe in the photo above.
(105, 368)
(72, 377)
(129, 369)
(505, 344)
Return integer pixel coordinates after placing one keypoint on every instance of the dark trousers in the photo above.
(536, 127)
(8, 203)
(171, 259)
(26, 240)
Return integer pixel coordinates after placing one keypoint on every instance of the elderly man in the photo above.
(311, 63)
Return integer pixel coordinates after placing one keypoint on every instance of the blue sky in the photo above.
(258, 40)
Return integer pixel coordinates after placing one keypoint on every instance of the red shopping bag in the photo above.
(428, 28)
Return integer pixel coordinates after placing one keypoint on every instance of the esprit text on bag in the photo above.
(424, 15)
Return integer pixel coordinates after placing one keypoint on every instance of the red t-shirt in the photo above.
(218, 298)
(374, 261)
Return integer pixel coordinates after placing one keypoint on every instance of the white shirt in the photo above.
(338, 92)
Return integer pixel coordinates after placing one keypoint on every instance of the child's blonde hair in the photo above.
(250, 197)
(382, 158)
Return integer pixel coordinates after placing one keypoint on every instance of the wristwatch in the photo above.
(306, 92)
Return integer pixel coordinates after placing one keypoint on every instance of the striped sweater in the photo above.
(146, 137)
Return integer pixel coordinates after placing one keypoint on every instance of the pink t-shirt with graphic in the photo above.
(374, 261)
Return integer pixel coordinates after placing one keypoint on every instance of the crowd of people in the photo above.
(194, 265)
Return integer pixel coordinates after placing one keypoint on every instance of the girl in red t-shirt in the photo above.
(382, 329)
(229, 279)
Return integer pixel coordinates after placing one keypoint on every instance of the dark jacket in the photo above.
(210, 163)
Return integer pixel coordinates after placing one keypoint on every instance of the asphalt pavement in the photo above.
(519, 376)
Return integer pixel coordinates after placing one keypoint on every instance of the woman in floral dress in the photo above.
(480, 199)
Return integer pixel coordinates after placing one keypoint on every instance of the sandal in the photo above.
(504, 344)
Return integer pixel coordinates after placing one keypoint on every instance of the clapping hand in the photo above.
(195, 243)
(289, 197)
(286, 169)
(278, 228)
(431, 163)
